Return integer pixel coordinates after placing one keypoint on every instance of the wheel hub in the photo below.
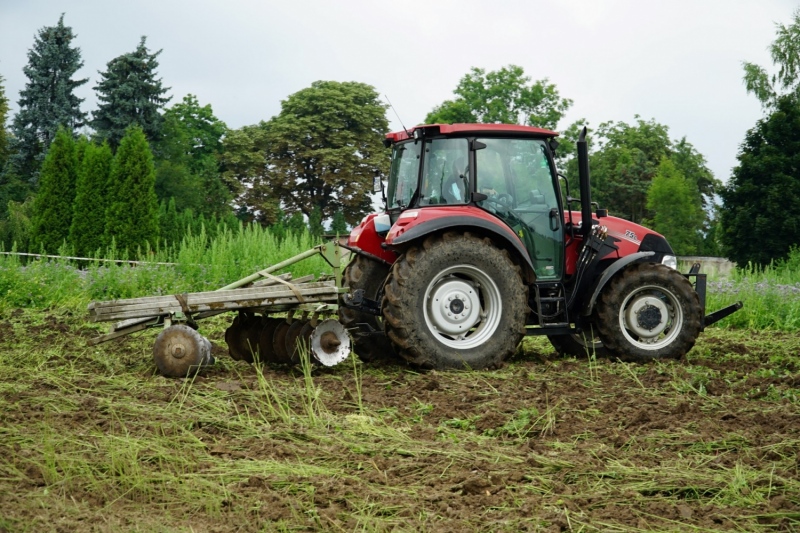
(454, 306)
(647, 316)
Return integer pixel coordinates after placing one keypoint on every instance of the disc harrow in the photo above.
(277, 319)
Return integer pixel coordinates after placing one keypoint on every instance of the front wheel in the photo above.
(649, 311)
(455, 301)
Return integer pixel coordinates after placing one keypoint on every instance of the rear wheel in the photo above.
(650, 311)
(369, 275)
(455, 301)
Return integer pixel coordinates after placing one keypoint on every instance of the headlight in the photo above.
(671, 261)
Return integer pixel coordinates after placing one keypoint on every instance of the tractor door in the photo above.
(516, 176)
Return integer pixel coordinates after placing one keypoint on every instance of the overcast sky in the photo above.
(676, 61)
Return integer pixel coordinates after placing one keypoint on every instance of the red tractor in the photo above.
(478, 246)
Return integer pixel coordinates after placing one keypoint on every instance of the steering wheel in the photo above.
(498, 203)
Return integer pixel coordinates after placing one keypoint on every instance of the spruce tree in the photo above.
(87, 232)
(52, 208)
(130, 93)
(48, 100)
(132, 215)
(3, 118)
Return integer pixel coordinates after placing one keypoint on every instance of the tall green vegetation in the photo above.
(761, 215)
(47, 102)
(502, 96)
(132, 215)
(87, 232)
(53, 206)
(129, 92)
(678, 215)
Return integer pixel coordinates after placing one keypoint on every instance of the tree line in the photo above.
(141, 171)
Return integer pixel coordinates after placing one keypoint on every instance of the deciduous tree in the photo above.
(129, 92)
(502, 96)
(678, 214)
(52, 207)
(323, 150)
(785, 53)
(187, 159)
(761, 215)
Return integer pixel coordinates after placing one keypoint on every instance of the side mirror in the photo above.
(377, 183)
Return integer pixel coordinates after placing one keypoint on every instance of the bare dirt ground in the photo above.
(92, 439)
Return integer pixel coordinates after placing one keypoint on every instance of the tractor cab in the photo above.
(503, 171)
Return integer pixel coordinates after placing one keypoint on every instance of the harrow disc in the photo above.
(279, 344)
(242, 337)
(179, 351)
(265, 349)
(294, 339)
(330, 342)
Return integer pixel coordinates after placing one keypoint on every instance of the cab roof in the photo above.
(513, 130)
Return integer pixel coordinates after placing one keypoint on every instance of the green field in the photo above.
(92, 439)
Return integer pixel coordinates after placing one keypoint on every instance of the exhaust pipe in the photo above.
(585, 188)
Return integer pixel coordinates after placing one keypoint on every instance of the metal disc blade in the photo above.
(330, 342)
(279, 344)
(180, 351)
(293, 339)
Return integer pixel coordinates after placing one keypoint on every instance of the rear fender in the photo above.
(616, 266)
(464, 219)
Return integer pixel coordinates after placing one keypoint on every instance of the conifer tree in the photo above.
(52, 208)
(339, 224)
(132, 215)
(87, 232)
(130, 93)
(48, 100)
(296, 224)
(3, 118)
(315, 222)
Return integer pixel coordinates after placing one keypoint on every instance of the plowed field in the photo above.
(92, 439)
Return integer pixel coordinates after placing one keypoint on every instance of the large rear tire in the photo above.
(369, 275)
(455, 301)
(649, 311)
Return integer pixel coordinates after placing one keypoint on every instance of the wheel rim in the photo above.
(462, 307)
(651, 317)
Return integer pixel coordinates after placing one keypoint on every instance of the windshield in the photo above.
(403, 174)
(445, 178)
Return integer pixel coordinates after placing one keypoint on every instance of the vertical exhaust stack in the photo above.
(585, 188)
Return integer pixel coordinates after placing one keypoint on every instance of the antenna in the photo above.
(398, 116)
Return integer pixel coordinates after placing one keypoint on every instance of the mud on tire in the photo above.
(455, 301)
(649, 311)
(369, 275)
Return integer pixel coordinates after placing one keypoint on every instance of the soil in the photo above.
(711, 442)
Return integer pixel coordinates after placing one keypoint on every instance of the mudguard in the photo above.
(616, 266)
(410, 227)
